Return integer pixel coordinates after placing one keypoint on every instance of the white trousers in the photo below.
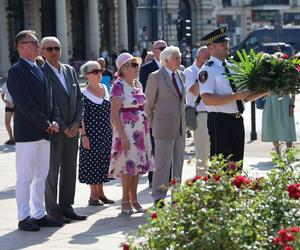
(32, 166)
(202, 144)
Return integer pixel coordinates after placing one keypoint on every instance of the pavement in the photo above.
(105, 227)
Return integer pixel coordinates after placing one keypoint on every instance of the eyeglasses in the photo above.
(95, 71)
(133, 65)
(34, 42)
(50, 49)
(161, 48)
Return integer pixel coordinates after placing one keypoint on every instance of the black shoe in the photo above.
(72, 216)
(47, 222)
(106, 201)
(93, 202)
(27, 225)
(60, 217)
(160, 203)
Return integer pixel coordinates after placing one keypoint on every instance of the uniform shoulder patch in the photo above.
(210, 63)
(202, 77)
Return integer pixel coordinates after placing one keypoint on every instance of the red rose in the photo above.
(294, 229)
(217, 177)
(285, 56)
(288, 248)
(276, 241)
(199, 177)
(153, 215)
(294, 191)
(126, 246)
(173, 181)
(240, 181)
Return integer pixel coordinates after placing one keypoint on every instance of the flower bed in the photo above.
(228, 210)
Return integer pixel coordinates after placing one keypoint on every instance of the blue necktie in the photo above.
(38, 72)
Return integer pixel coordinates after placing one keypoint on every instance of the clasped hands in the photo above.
(72, 130)
(53, 128)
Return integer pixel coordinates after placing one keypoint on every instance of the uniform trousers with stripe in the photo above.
(32, 166)
(227, 135)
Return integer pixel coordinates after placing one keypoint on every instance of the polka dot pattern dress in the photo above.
(94, 163)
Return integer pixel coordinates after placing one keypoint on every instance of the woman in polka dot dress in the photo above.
(96, 135)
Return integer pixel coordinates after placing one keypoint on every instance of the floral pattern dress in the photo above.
(139, 158)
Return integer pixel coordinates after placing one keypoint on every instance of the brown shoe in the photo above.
(106, 201)
(93, 202)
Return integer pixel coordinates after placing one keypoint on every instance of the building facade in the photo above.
(87, 27)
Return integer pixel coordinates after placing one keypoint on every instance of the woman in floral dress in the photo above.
(131, 152)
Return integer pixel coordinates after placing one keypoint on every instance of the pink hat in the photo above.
(124, 58)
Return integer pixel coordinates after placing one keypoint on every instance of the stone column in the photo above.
(93, 29)
(61, 28)
(123, 30)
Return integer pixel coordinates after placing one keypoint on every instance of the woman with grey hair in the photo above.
(96, 135)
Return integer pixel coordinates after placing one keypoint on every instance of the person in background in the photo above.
(96, 134)
(35, 122)
(201, 137)
(165, 92)
(149, 57)
(131, 152)
(9, 113)
(107, 75)
(146, 70)
(278, 120)
(69, 99)
(136, 52)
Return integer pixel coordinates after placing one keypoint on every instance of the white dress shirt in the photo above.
(59, 73)
(178, 81)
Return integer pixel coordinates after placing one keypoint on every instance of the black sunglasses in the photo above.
(161, 48)
(50, 49)
(95, 71)
(133, 65)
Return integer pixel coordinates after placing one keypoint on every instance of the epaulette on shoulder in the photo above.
(209, 63)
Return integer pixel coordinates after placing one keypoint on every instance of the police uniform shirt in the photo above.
(213, 80)
(191, 76)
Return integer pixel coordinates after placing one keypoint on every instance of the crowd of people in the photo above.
(129, 123)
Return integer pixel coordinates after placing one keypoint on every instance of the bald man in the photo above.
(201, 137)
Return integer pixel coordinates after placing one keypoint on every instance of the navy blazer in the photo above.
(33, 101)
(146, 70)
(70, 102)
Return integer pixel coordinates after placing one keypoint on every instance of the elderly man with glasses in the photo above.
(64, 145)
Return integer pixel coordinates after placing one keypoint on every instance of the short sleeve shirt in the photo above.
(191, 76)
(214, 81)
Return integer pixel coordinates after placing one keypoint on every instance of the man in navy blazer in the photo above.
(34, 123)
(146, 70)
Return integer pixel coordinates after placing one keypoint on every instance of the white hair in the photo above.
(89, 66)
(200, 49)
(167, 53)
(48, 39)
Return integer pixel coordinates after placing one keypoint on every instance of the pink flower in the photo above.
(140, 98)
(130, 167)
(139, 140)
(117, 89)
(118, 145)
(129, 117)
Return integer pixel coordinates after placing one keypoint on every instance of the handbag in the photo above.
(191, 115)
(260, 102)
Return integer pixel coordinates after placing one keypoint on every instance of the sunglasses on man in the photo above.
(95, 71)
(50, 49)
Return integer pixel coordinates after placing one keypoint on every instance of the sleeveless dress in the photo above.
(94, 163)
(139, 158)
(277, 125)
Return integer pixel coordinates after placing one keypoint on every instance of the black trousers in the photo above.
(227, 135)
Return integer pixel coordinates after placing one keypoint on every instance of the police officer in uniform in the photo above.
(223, 103)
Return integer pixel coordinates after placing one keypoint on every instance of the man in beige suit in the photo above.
(165, 92)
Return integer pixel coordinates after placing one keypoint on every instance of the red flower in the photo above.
(173, 181)
(189, 182)
(294, 191)
(294, 229)
(240, 181)
(288, 248)
(217, 177)
(276, 241)
(126, 246)
(153, 215)
(199, 177)
(285, 56)
(232, 166)
(298, 68)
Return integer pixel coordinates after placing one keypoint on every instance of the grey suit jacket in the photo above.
(164, 109)
(70, 103)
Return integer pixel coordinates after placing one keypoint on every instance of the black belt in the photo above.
(231, 115)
